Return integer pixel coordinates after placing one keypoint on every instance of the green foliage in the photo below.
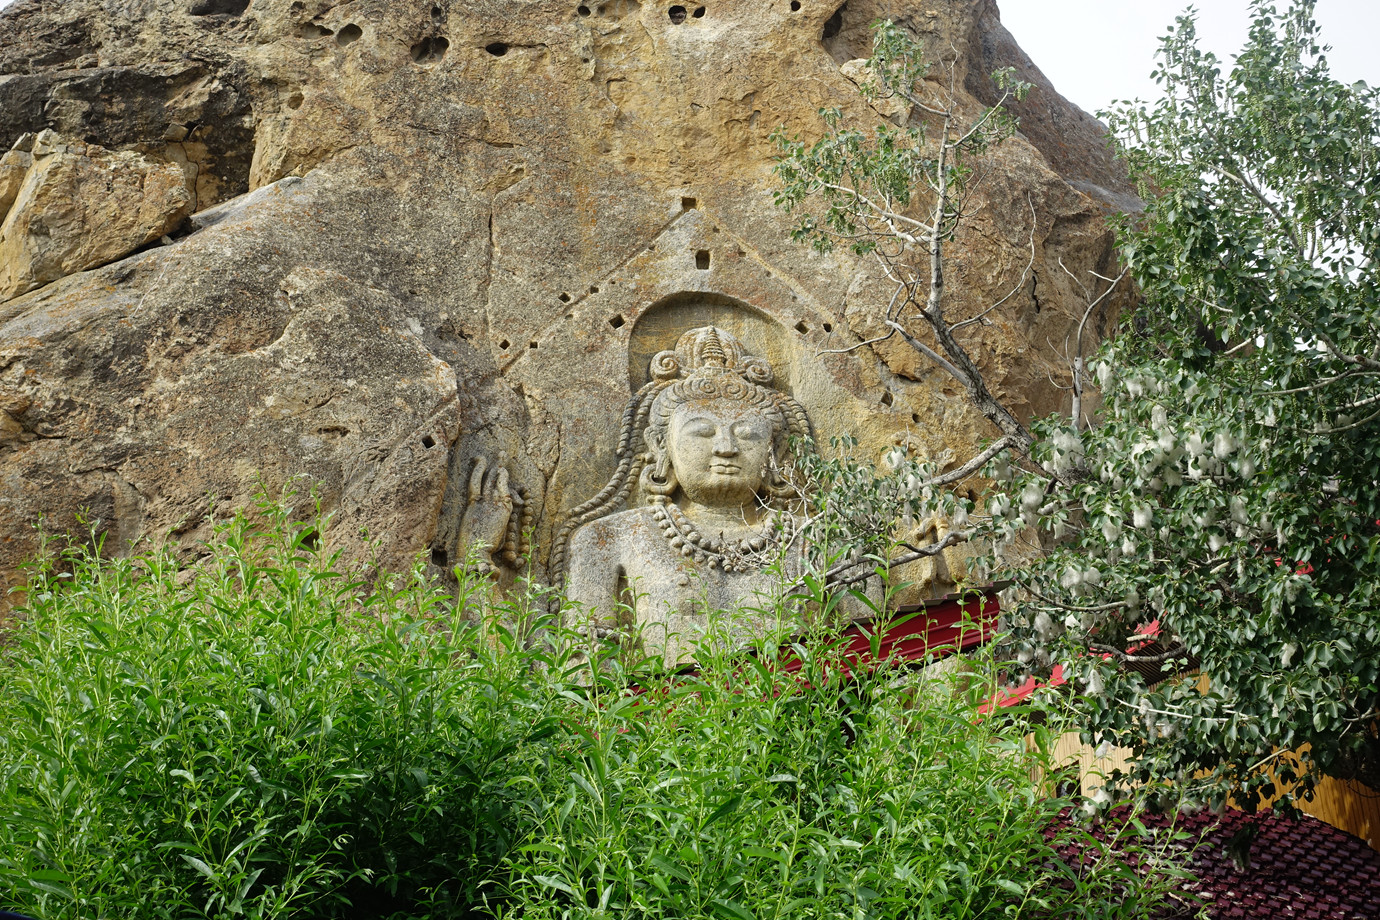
(1231, 488)
(746, 792)
(868, 181)
(256, 735)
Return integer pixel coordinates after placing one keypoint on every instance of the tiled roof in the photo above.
(1297, 870)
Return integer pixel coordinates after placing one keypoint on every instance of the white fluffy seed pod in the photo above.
(1223, 445)
(1143, 516)
(1104, 374)
(1096, 686)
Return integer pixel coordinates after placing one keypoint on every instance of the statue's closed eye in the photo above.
(700, 428)
(747, 432)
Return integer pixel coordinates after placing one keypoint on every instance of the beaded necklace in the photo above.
(746, 554)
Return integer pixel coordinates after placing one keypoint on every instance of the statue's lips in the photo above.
(725, 469)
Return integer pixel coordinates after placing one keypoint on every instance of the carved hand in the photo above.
(490, 508)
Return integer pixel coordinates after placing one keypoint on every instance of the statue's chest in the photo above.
(663, 580)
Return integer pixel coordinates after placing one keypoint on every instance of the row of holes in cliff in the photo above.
(618, 322)
(677, 14)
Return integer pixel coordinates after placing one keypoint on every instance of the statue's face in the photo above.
(719, 450)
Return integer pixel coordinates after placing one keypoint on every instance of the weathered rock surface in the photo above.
(66, 207)
(429, 231)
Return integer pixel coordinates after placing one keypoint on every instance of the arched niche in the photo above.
(661, 324)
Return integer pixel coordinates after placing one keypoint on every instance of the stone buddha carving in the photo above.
(712, 431)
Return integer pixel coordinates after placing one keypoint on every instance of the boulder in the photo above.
(428, 231)
(66, 206)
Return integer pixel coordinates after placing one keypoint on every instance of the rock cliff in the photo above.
(365, 242)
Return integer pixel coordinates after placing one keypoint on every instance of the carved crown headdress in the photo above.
(707, 351)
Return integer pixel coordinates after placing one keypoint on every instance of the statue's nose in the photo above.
(725, 444)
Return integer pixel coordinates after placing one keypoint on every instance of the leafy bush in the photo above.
(257, 735)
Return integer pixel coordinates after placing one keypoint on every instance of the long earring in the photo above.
(659, 478)
(773, 482)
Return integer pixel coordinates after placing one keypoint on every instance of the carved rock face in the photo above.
(504, 210)
(719, 451)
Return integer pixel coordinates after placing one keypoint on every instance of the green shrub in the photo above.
(747, 791)
(256, 735)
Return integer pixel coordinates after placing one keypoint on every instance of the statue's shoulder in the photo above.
(618, 525)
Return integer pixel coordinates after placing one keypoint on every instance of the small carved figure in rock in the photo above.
(713, 433)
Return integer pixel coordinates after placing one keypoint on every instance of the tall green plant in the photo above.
(256, 735)
(749, 791)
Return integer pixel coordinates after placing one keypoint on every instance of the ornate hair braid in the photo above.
(616, 491)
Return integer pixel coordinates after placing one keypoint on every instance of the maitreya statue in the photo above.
(704, 441)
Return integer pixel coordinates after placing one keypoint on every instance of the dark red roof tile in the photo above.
(1301, 869)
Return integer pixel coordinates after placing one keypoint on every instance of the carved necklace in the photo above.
(746, 554)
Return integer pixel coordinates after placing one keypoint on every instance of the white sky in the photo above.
(1096, 51)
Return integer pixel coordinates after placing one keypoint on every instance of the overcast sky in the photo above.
(1095, 51)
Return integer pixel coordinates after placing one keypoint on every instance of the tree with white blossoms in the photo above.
(1227, 492)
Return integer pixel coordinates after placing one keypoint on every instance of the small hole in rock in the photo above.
(828, 327)
(617, 322)
(439, 557)
(699, 12)
(594, 289)
(428, 442)
(532, 345)
(430, 50)
(503, 345)
(296, 8)
(688, 204)
(565, 298)
(915, 417)
(218, 7)
(350, 33)
(582, 10)
(834, 25)
(438, 15)
(795, 6)
(294, 101)
(801, 327)
(677, 14)
(497, 49)
(886, 398)
(702, 259)
(310, 538)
